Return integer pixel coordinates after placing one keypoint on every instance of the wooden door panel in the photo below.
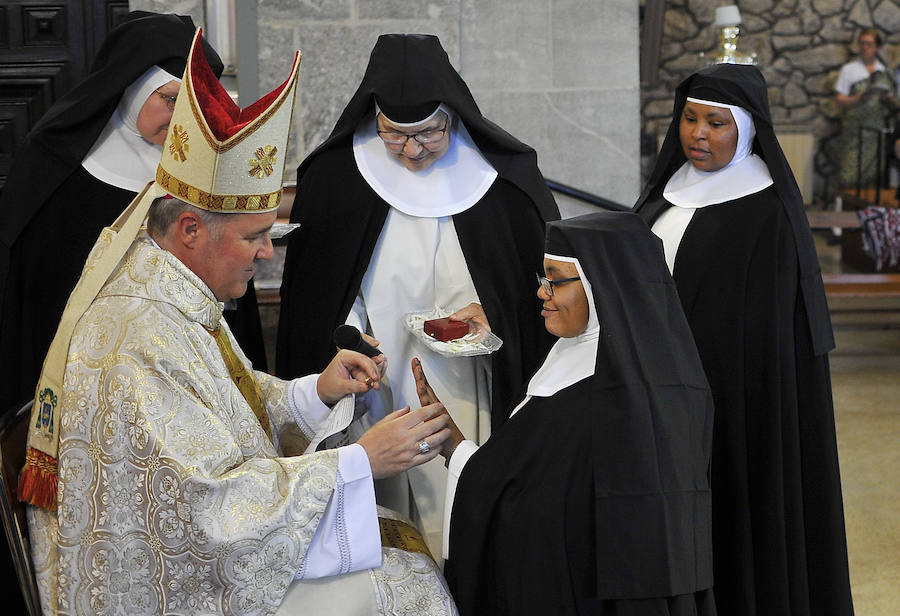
(45, 49)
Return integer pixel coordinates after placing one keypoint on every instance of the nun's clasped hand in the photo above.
(395, 443)
(428, 397)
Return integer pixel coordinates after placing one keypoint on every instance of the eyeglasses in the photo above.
(547, 284)
(170, 100)
(426, 137)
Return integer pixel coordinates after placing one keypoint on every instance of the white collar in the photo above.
(878, 65)
(690, 188)
(452, 184)
(120, 156)
(570, 359)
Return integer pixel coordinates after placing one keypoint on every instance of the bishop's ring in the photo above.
(424, 447)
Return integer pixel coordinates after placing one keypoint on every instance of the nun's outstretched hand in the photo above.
(427, 397)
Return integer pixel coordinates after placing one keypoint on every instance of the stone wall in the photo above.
(544, 70)
(801, 45)
(561, 75)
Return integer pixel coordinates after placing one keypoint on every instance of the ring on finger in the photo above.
(369, 381)
(424, 447)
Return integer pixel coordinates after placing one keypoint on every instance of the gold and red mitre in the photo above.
(216, 156)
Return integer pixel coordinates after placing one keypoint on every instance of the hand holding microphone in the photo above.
(348, 337)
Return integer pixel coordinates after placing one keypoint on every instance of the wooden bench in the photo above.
(830, 220)
(857, 300)
(862, 285)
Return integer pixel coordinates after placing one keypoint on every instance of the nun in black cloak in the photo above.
(342, 217)
(391, 225)
(730, 215)
(80, 166)
(593, 497)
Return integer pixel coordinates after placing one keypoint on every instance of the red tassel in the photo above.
(38, 480)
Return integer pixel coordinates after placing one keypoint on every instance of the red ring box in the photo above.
(445, 329)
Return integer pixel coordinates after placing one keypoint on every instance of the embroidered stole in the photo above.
(244, 380)
(401, 535)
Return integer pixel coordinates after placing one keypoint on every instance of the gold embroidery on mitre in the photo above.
(212, 202)
(179, 144)
(263, 165)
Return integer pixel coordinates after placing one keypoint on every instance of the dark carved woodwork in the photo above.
(4, 28)
(47, 47)
(44, 25)
(35, 85)
(12, 124)
(102, 18)
(113, 15)
(28, 91)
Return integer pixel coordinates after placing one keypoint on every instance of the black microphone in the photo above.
(348, 337)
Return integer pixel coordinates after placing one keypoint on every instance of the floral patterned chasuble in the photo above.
(172, 499)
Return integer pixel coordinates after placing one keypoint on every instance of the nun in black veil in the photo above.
(593, 498)
(727, 207)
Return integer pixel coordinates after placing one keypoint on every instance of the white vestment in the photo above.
(172, 498)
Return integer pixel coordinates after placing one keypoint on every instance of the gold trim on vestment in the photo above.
(403, 536)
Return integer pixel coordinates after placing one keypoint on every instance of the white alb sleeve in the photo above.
(348, 537)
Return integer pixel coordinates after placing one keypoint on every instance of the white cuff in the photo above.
(458, 460)
(304, 404)
(348, 537)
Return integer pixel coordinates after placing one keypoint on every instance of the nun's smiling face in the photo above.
(566, 311)
(417, 146)
(708, 136)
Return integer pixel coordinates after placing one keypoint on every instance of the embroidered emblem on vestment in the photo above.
(47, 400)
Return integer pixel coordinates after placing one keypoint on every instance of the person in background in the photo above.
(729, 212)
(593, 498)
(866, 90)
(418, 202)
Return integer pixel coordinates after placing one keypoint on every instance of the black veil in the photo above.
(744, 86)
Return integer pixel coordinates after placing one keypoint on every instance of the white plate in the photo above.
(478, 342)
(280, 229)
